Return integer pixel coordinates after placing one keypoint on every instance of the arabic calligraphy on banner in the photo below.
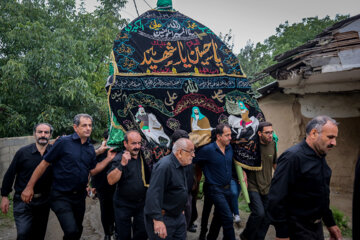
(171, 72)
(172, 44)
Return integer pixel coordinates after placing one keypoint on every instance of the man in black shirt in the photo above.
(168, 193)
(72, 158)
(31, 219)
(131, 174)
(299, 192)
(104, 191)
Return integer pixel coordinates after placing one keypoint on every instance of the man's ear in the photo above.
(313, 133)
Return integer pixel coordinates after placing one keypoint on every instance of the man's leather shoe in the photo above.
(107, 237)
(192, 228)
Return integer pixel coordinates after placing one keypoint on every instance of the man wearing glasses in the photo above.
(259, 185)
(131, 174)
(168, 193)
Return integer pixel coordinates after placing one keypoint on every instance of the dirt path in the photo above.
(93, 229)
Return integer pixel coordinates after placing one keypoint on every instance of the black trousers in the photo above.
(302, 230)
(175, 227)
(221, 197)
(129, 215)
(69, 208)
(257, 224)
(107, 210)
(205, 216)
(31, 219)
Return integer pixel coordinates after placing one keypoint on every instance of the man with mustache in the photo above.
(72, 159)
(131, 174)
(31, 219)
(299, 192)
(168, 193)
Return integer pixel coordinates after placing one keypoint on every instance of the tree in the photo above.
(54, 62)
(228, 39)
(255, 58)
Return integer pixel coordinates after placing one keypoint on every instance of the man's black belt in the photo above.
(36, 195)
(227, 186)
(73, 192)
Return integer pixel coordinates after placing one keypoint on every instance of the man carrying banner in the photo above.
(72, 158)
(259, 185)
(131, 175)
(216, 158)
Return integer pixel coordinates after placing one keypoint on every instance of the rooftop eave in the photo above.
(344, 81)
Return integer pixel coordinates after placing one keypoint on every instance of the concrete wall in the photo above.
(285, 112)
(8, 148)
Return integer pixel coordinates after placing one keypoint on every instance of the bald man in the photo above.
(168, 193)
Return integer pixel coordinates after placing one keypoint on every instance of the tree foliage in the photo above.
(54, 62)
(254, 58)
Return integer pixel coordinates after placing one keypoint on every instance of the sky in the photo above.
(253, 20)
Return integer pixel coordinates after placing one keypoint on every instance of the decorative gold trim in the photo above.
(143, 172)
(115, 67)
(179, 74)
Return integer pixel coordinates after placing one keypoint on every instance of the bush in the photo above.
(342, 222)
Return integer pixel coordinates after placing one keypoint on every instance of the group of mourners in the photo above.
(143, 201)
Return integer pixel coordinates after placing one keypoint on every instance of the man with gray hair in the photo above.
(72, 158)
(299, 193)
(168, 192)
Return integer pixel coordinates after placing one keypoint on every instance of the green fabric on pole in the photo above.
(164, 4)
(111, 69)
(276, 139)
(116, 136)
(244, 190)
(201, 187)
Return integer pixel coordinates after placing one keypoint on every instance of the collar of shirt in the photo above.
(175, 161)
(75, 136)
(35, 150)
(217, 148)
(309, 151)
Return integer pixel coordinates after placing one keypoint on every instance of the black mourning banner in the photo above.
(170, 72)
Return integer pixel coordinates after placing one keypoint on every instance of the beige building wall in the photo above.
(284, 112)
(8, 148)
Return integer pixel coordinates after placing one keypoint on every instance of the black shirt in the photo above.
(131, 186)
(99, 181)
(22, 167)
(72, 162)
(168, 189)
(300, 189)
(217, 166)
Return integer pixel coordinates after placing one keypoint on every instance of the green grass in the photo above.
(8, 218)
(342, 222)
